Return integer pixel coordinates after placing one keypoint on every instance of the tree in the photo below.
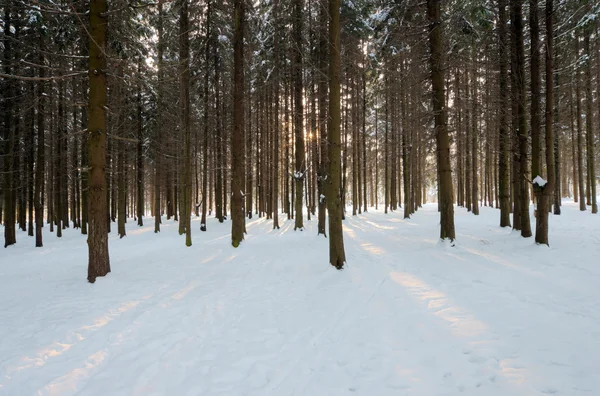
(237, 146)
(441, 129)
(184, 73)
(300, 173)
(337, 255)
(99, 263)
(521, 132)
(504, 137)
(547, 190)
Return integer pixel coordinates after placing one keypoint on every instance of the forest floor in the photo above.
(493, 315)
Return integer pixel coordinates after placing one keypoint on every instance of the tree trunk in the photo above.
(589, 123)
(99, 264)
(237, 146)
(582, 206)
(276, 131)
(337, 255)
(504, 134)
(541, 229)
(184, 73)
(439, 110)
(519, 80)
(300, 173)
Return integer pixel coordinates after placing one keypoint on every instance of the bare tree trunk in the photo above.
(337, 255)
(184, 73)
(582, 206)
(541, 229)
(589, 120)
(519, 52)
(439, 109)
(300, 173)
(99, 264)
(504, 134)
(324, 161)
(276, 131)
(237, 147)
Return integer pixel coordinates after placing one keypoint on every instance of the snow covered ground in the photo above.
(494, 315)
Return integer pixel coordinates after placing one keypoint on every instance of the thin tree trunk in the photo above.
(237, 147)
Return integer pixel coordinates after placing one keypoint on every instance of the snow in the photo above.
(539, 181)
(494, 315)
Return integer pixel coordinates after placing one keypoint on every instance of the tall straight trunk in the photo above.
(300, 173)
(393, 144)
(139, 154)
(573, 140)
(589, 123)
(276, 129)
(475, 135)
(504, 134)
(219, 165)
(582, 206)
(41, 154)
(286, 122)
(555, 112)
(324, 160)
(30, 159)
(386, 173)
(541, 228)
(98, 264)
(405, 144)
(376, 154)
(337, 255)
(364, 136)
(84, 173)
(536, 82)
(467, 145)
(184, 74)
(460, 188)
(439, 110)
(121, 186)
(59, 188)
(519, 53)
(205, 139)
(354, 146)
(237, 146)
(159, 121)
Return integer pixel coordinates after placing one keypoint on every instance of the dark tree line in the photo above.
(299, 108)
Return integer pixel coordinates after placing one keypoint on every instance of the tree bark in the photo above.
(98, 264)
(237, 147)
(441, 130)
(504, 135)
(337, 255)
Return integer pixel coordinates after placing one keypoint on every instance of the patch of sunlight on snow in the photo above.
(463, 323)
(183, 292)
(57, 348)
(349, 231)
(403, 221)
(140, 230)
(111, 315)
(503, 262)
(379, 226)
(515, 374)
(69, 382)
(369, 247)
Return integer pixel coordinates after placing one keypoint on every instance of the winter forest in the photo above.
(213, 163)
